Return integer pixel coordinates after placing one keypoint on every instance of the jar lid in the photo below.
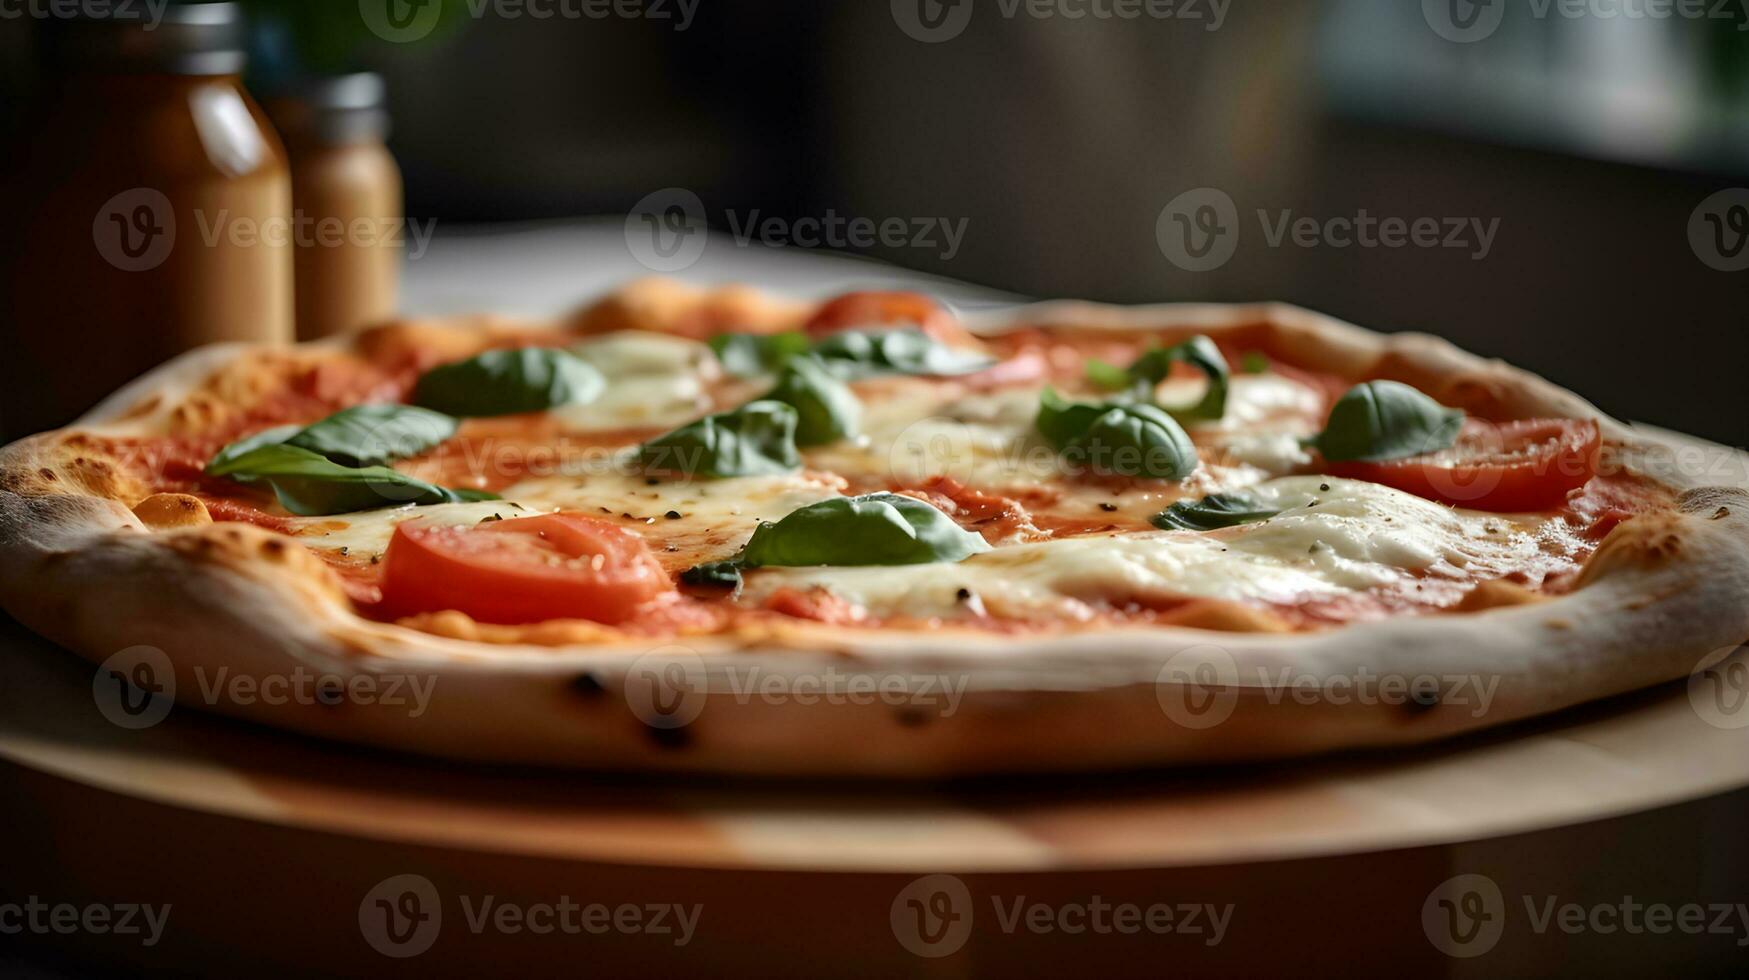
(333, 108)
(178, 39)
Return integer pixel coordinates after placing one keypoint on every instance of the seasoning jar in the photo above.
(154, 215)
(346, 200)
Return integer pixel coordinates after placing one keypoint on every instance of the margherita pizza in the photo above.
(717, 530)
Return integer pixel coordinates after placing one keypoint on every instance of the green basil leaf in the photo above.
(1382, 420)
(869, 353)
(1254, 362)
(1215, 511)
(1061, 421)
(714, 575)
(1136, 440)
(826, 409)
(310, 485)
(757, 439)
(1103, 374)
(1199, 352)
(369, 435)
(752, 355)
(224, 462)
(877, 529)
(509, 382)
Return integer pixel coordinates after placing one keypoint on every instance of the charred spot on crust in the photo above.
(588, 686)
(48, 474)
(911, 717)
(669, 738)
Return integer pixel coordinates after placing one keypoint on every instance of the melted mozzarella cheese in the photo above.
(712, 518)
(1351, 536)
(653, 381)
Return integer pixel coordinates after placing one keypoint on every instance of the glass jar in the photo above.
(154, 215)
(346, 199)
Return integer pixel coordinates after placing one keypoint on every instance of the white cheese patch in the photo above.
(1353, 536)
(714, 517)
(653, 381)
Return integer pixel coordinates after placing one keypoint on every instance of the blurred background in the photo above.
(1573, 165)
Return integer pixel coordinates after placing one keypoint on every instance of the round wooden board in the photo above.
(271, 843)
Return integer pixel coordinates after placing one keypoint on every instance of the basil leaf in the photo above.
(752, 355)
(877, 529)
(368, 435)
(714, 575)
(1254, 362)
(1382, 420)
(310, 485)
(1215, 511)
(869, 353)
(1103, 374)
(1137, 440)
(1199, 352)
(1061, 421)
(223, 463)
(826, 409)
(757, 439)
(509, 382)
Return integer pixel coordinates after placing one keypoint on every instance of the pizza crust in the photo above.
(1662, 593)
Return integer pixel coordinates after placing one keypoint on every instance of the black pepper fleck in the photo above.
(1108, 508)
(672, 515)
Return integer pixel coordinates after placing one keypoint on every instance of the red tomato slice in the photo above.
(881, 309)
(1509, 466)
(556, 566)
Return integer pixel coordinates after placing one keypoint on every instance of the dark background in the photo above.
(1592, 140)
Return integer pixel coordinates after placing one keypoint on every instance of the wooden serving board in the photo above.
(269, 848)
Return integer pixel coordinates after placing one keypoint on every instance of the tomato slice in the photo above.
(555, 566)
(1527, 465)
(886, 309)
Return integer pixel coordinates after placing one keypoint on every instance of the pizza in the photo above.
(722, 530)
